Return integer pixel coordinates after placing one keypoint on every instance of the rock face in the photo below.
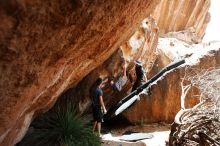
(138, 46)
(142, 43)
(191, 28)
(164, 101)
(48, 46)
(173, 15)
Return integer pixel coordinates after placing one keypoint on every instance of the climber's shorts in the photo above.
(97, 113)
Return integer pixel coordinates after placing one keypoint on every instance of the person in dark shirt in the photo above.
(140, 75)
(98, 105)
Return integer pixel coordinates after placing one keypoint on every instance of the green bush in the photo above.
(62, 126)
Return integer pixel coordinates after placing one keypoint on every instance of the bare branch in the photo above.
(200, 124)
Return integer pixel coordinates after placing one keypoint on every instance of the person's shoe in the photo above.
(100, 135)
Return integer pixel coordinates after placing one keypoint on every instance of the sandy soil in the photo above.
(160, 132)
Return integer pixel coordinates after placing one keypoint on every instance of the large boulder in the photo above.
(135, 48)
(49, 46)
(164, 101)
(173, 15)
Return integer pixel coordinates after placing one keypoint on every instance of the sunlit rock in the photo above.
(141, 44)
(173, 15)
(163, 101)
(49, 46)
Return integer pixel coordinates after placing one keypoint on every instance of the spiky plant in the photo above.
(62, 126)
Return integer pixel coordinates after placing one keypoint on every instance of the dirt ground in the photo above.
(160, 132)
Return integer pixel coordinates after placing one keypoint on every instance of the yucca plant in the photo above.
(62, 126)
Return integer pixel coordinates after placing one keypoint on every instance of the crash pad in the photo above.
(136, 136)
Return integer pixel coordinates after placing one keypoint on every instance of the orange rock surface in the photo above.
(164, 101)
(48, 46)
(173, 15)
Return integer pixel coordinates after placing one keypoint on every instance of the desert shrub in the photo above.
(62, 126)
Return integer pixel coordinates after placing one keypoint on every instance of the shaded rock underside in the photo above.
(49, 47)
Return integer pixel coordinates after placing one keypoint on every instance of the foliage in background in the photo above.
(61, 126)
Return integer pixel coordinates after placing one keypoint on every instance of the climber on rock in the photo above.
(118, 85)
(140, 75)
(98, 105)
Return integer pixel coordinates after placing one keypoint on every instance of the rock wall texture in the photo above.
(48, 46)
(164, 101)
(135, 48)
(173, 15)
(142, 43)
